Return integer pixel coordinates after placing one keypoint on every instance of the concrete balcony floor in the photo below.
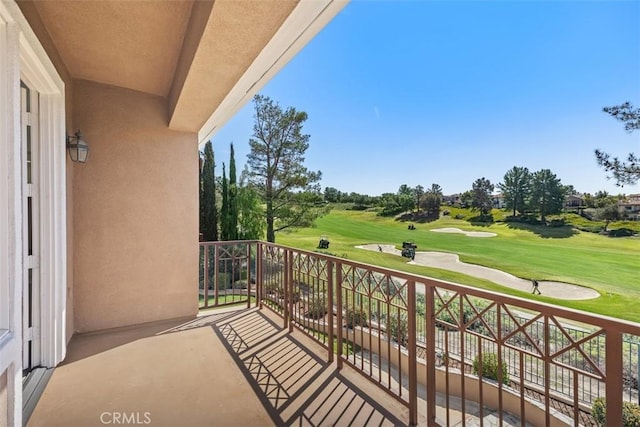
(226, 368)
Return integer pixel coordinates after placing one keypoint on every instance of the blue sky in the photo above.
(422, 92)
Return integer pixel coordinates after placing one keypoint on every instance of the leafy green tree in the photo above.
(331, 195)
(588, 200)
(418, 192)
(466, 199)
(516, 188)
(406, 202)
(624, 172)
(304, 207)
(430, 204)
(431, 201)
(209, 216)
(233, 197)
(481, 196)
(547, 193)
(603, 199)
(251, 222)
(405, 189)
(390, 204)
(609, 213)
(436, 189)
(276, 165)
(405, 198)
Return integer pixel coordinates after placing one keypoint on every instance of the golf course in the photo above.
(609, 266)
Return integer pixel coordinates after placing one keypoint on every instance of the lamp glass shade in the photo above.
(78, 149)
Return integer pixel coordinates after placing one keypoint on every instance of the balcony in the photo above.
(319, 340)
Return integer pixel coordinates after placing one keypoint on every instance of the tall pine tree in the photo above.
(276, 167)
(209, 214)
(233, 198)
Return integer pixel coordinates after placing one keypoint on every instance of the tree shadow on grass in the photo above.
(418, 218)
(544, 231)
(480, 221)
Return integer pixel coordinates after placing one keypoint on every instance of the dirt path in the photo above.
(447, 261)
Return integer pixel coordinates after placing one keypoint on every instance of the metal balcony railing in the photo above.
(432, 343)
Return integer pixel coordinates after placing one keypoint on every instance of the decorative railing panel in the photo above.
(227, 273)
(448, 345)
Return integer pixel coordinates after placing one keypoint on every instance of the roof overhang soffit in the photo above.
(232, 49)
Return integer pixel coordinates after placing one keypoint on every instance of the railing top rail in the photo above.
(226, 242)
(607, 323)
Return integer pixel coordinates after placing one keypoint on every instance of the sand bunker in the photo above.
(468, 233)
(447, 261)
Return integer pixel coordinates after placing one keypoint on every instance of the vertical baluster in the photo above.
(206, 275)
(339, 311)
(430, 344)
(614, 385)
(413, 368)
(331, 324)
(216, 273)
(259, 278)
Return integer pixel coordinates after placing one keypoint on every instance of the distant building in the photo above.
(573, 201)
(498, 201)
(631, 207)
(452, 200)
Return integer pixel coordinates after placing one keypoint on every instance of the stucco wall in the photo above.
(135, 210)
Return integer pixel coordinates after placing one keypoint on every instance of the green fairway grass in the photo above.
(609, 265)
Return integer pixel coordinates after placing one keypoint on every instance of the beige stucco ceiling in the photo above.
(206, 57)
(131, 44)
(237, 31)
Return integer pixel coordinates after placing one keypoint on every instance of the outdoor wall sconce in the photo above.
(77, 147)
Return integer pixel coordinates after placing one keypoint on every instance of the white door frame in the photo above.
(31, 292)
(23, 57)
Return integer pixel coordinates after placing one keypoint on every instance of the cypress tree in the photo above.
(201, 193)
(209, 217)
(233, 198)
(224, 212)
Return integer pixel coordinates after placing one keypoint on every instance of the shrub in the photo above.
(482, 218)
(451, 316)
(459, 216)
(630, 413)
(317, 307)
(224, 281)
(296, 296)
(557, 222)
(240, 284)
(421, 304)
(272, 288)
(389, 287)
(390, 210)
(621, 232)
(590, 229)
(398, 328)
(490, 367)
(356, 317)
(357, 207)
(530, 219)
